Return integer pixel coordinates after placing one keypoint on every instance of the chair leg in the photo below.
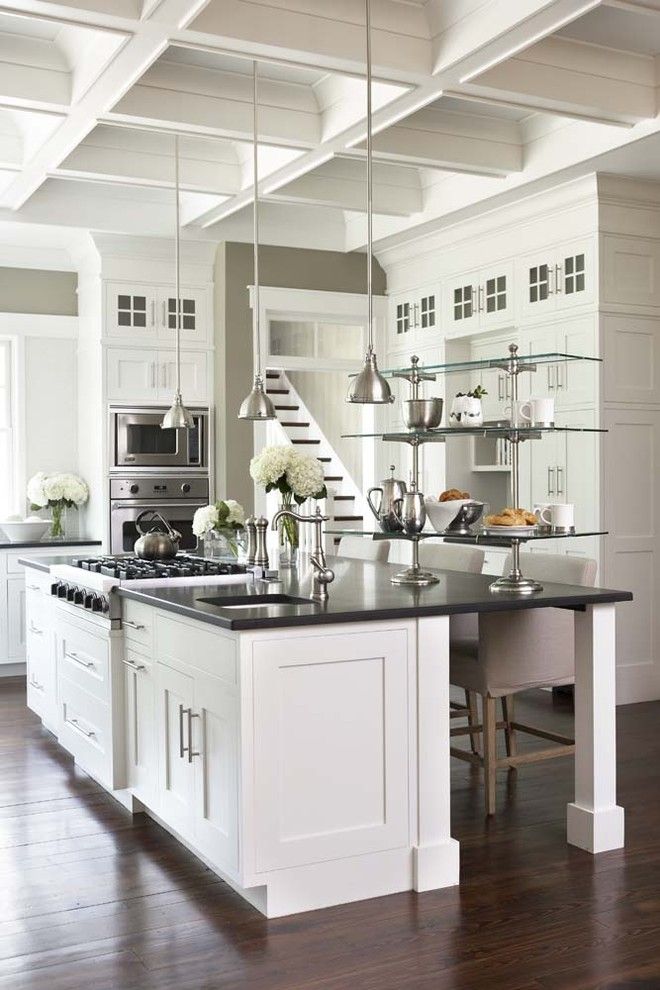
(473, 719)
(509, 732)
(490, 752)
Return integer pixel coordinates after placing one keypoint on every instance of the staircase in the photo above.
(345, 503)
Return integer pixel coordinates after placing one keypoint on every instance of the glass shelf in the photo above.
(441, 434)
(476, 537)
(524, 361)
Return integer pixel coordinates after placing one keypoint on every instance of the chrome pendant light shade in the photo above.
(369, 387)
(177, 416)
(256, 405)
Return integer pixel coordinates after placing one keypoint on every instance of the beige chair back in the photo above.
(529, 648)
(362, 548)
(451, 557)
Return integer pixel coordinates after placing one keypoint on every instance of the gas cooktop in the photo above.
(136, 569)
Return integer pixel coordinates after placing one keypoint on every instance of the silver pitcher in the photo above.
(410, 512)
(391, 490)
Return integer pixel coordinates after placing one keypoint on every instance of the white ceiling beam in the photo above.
(298, 32)
(454, 142)
(140, 50)
(574, 79)
(219, 104)
(341, 184)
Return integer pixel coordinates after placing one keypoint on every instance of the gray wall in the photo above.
(292, 268)
(31, 290)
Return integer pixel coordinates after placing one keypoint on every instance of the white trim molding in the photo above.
(38, 325)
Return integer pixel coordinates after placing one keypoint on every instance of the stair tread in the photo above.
(287, 408)
(326, 460)
(272, 374)
(292, 423)
(333, 477)
(277, 391)
(305, 441)
(347, 518)
(343, 498)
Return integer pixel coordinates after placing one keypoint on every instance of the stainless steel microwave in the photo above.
(138, 440)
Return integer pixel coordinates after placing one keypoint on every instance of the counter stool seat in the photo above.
(498, 654)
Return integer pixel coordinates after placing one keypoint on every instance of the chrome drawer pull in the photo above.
(133, 625)
(33, 629)
(34, 587)
(77, 659)
(132, 664)
(182, 748)
(35, 683)
(85, 732)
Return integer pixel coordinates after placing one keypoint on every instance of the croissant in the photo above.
(453, 495)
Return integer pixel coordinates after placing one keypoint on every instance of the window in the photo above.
(188, 314)
(495, 294)
(403, 317)
(463, 297)
(539, 283)
(7, 472)
(428, 311)
(574, 274)
(131, 311)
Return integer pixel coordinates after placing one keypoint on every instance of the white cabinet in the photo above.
(480, 299)
(413, 315)
(572, 384)
(176, 783)
(495, 381)
(16, 619)
(40, 652)
(136, 311)
(560, 278)
(144, 375)
(140, 715)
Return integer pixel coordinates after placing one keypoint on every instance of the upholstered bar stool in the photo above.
(498, 654)
(451, 557)
(361, 548)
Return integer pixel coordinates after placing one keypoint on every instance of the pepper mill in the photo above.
(251, 549)
(261, 557)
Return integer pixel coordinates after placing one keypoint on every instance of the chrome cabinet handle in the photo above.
(133, 625)
(499, 387)
(35, 683)
(190, 714)
(153, 312)
(34, 587)
(132, 664)
(153, 374)
(558, 278)
(79, 660)
(551, 481)
(164, 374)
(475, 308)
(560, 475)
(191, 751)
(85, 732)
(481, 298)
(33, 629)
(182, 748)
(164, 316)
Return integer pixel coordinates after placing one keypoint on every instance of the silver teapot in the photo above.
(391, 490)
(410, 512)
(156, 543)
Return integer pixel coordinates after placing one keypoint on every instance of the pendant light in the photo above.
(256, 405)
(177, 416)
(369, 387)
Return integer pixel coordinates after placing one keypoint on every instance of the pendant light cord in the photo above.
(255, 167)
(369, 183)
(177, 265)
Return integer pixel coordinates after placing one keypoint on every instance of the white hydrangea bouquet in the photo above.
(296, 476)
(58, 492)
(225, 518)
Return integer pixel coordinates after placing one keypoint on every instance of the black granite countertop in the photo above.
(45, 563)
(37, 544)
(361, 592)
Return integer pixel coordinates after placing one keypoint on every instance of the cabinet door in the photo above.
(574, 275)
(496, 296)
(496, 382)
(577, 380)
(401, 319)
(537, 278)
(463, 303)
(544, 457)
(130, 310)
(215, 738)
(581, 462)
(40, 656)
(15, 619)
(194, 305)
(542, 383)
(141, 752)
(194, 375)
(131, 375)
(174, 700)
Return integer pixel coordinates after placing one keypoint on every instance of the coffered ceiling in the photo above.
(474, 100)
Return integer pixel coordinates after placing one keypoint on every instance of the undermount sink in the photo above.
(256, 601)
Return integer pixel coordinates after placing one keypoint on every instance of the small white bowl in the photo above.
(442, 514)
(25, 532)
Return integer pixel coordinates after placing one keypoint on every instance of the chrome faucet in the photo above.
(323, 575)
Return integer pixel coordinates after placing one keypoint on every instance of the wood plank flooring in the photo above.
(90, 898)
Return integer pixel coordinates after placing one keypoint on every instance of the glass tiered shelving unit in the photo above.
(513, 365)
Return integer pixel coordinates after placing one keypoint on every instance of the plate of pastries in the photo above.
(510, 522)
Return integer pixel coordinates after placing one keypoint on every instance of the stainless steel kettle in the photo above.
(156, 543)
(391, 491)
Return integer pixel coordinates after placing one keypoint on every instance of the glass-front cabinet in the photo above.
(147, 311)
(413, 315)
(559, 278)
(480, 299)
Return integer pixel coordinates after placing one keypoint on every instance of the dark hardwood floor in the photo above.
(90, 898)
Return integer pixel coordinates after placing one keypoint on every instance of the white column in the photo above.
(436, 854)
(594, 820)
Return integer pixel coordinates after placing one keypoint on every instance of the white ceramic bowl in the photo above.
(25, 532)
(441, 514)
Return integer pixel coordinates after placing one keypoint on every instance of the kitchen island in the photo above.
(302, 750)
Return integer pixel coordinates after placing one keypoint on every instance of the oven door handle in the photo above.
(139, 504)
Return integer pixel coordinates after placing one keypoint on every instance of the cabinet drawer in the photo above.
(83, 658)
(180, 642)
(85, 730)
(138, 623)
(37, 581)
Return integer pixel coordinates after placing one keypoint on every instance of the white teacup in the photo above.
(520, 412)
(543, 513)
(560, 516)
(543, 411)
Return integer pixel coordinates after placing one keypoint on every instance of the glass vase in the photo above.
(58, 523)
(227, 546)
(288, 539)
